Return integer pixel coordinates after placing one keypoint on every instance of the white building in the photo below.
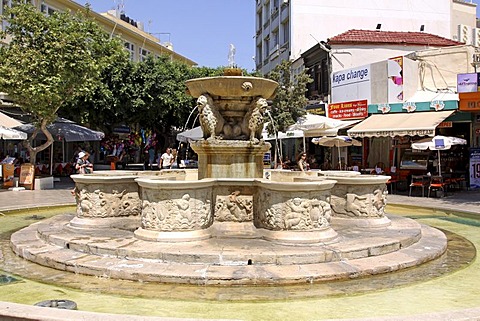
(287, 28)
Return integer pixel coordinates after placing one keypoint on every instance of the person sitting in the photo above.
(302, 163)
(83, 165)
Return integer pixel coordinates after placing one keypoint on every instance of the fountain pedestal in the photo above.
(230, 158)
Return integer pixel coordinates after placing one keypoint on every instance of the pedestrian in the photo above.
(166, 160)
(302, 163)
(83, 165)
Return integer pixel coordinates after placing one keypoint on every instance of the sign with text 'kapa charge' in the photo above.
(351, 84)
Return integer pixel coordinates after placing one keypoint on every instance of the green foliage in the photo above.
(51, 60)
(290, 101)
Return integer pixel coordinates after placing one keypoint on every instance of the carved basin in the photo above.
(232, 86)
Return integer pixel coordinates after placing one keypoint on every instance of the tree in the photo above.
(50, 60)
(290, 100)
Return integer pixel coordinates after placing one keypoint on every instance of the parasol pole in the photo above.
(339, 157)
(439, 163)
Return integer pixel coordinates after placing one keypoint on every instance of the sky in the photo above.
(201, 30)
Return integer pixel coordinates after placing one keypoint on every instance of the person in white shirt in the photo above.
(166, 160)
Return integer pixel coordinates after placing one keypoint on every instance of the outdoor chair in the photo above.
(418, 181)
(437, 183)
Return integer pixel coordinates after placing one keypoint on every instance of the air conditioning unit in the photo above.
(464, 34)
(476, 37)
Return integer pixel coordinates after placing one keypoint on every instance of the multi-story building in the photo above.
(287, 28)
(138, 43)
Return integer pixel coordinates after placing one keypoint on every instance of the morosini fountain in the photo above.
(230, 226)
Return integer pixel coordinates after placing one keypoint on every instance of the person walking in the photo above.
(166, 160)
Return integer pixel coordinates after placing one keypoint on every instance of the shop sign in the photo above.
(467, 83)
(351, 84)
(474, 168)
(445, 124)
(394, 132)
(348, 110)
(469, 105)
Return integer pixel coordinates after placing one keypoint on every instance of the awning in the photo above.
(401, 124)
(7, 121)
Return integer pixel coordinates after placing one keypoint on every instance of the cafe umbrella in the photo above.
(438, 143)
(336, 141)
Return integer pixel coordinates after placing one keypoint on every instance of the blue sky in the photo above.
(201, 30)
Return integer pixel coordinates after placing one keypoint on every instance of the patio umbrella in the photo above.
(10, 133)
(438, 143)
(190, 135)
(66, 130)
(336, 141)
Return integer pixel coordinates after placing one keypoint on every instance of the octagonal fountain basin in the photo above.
(232, 86)
(357, 199)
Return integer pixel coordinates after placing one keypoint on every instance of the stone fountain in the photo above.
(230, 226)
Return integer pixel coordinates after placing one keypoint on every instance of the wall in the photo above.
(438, 68)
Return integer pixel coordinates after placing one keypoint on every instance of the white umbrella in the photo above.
(190, 135)
(438, 143)
(338, 141)
(10, 133)
(317, 125)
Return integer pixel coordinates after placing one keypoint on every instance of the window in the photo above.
(266, 11)
(285, 31)
(143, 53)
(47, 9)
(131, 49)
(275, 38)
(266, 47)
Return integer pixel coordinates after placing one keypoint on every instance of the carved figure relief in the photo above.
(298, 213)
(177, 214)
(234, 207)
(107, 204)
(379, 201)
(360, 201)
(211, 120)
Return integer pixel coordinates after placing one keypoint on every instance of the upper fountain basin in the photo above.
(232, 86)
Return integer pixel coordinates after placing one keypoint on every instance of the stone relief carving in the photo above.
(234, 208)
(298, 213)
(183, 213)
(211, 120)
(359, 201)
(94, 203)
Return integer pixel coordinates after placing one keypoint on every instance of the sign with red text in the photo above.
(348, 110)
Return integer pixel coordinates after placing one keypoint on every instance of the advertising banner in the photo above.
(27, 174)
(351, 84)
(467, 83)
(395, 80)
(474, 168)
(8, 175)
(348, 110)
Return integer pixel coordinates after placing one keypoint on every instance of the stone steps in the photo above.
(114, 253)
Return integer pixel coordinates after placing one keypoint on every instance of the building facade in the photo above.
(285, 29)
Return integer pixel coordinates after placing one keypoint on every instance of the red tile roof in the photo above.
(356, 36)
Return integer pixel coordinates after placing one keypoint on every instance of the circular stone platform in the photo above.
(116, 253)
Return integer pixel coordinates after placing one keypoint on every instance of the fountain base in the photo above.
(241, 259)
